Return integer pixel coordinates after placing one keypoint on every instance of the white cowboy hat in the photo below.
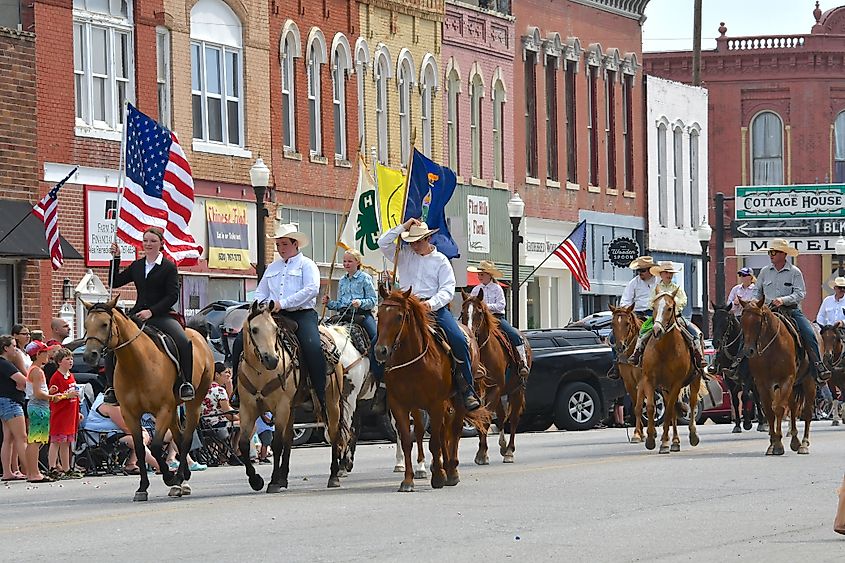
(663, 267)
(838, 282)
(288, 230)
(488, 267)
(417, 232)
(642, 262)
(781, 245)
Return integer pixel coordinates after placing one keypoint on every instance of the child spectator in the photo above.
(38, 409)
(64, 416)
(264, 427)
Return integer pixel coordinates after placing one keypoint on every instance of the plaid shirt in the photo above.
(357, 286)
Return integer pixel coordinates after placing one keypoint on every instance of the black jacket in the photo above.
(157, 292)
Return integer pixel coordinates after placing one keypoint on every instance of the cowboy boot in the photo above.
(637, 357)
(109, 398)
(186, 368)
(522, 368)
(613, 372)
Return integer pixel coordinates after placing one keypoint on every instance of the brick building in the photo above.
(580, 154)
(776, 116)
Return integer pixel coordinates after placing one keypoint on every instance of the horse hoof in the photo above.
(334, 483)
(482, 460)
(794, 444)
(636, 439)
(747, 424)
(650, 443)
(342, 473)
(694, 439)
(420, 474)
(438, 480)
(406, 487)
(274, 488)
(398, 468)
(453, 480)
(140, 496)
(256, 482)
(169, 479)
(664, 449)
(835, 423)
(737, 430)
(778, 450)
(175, 491)
(675, 448)
(803, 450)
(508, 458)
(763, 427)
(186, 489)
(770, 450)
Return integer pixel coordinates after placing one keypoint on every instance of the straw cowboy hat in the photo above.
(663, 267)
(487, 267)
(781, 245)
(838, 282)
(288, 230)
(642, 262)
(417, 232)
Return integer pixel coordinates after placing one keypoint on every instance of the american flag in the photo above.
(159, 190)
(48, 211)
(573, 252)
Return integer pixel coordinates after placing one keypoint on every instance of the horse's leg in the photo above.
(192, 419)
(694, 388)
(481, 457)
(165, 420)
(133, 420)
(733, 389)
(779, 410)
(809, 403)
(282, 469)
(637, 403)
(348, 459)
(794, 443)
(435, 445)
(668, 420)
(335, 435)
(402, 417)
(420, 470)
(648, 393)
(399, 466)
(451, 442)
(516, 405)
(762, 425)
(248, 414)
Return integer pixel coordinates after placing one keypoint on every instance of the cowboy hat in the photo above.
(487, 267)
(663, 267)
(288, 230)
(781, 245)
(417, 232)
(838, 282)
(642, 262)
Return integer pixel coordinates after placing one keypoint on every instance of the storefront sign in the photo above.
(228, 234)
(100, 224)
(622, 251)
(478, 224)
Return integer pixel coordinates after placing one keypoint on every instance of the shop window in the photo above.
(839, 149)
(767, 149)
(551, 119)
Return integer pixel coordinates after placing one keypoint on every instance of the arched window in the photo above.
(476, 94)
(499, 99)
(216, 85)
(341, 67)
(767, 149)
(362, 61)
(428, 86)
(839, 148)
(405, 83)
(662, 190)
(316, 56)
(290, 49)
(382, 74)
(678, 171)
(694, 190)
(453, 88)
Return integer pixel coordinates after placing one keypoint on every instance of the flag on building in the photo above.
(429, 190)
(391, 194)
(573, 253)
(159, 189)
(361, 231)
(48, 211)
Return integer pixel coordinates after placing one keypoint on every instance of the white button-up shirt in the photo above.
(638, 292)
(831, 311)
(431, 276)
(293, 283)
(148, 266)
(494, 296)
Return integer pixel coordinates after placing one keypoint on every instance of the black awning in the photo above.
(27, 240)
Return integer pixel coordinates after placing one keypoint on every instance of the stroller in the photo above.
(98, 453)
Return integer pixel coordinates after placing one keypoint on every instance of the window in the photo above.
(678, 170)
(498, 131)
(530, 114)
(695, 214)
(428, 85)
(571, 131)
(551, 119)
(610, 127)
(592, 125)
(839, 148)
(341, 65)
(628, 130)
(382, 71)
(453, 88)
(103, 62)
(216, 73)
(662, 189)
(163, 76)
(315, 57)
(362, 59)
(767, 149)
(405, 83)
(476, 94)
(290, 51)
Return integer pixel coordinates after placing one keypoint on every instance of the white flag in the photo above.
(362, 229)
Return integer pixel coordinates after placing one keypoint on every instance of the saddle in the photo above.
(288, 339)
(165, 343)
(440, 338)
(792, 327)
(510, 349)
(353, 323)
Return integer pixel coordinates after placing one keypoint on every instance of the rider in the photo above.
(691, 333)
(637, 293)
(292, 282)
(781, 285)
(744, 290)
(832, 310)
(430, 274)
(157, 284)
(494, 297)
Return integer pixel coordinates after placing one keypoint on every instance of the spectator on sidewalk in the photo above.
(12, 397)
(60, 331)
(64, 416)
(265, 427)
(38, 410)
(216, 409)
(108, 419)
(22, 337)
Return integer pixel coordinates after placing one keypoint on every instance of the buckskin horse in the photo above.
(668, 366)
(269, 380)
(833, 352)
(144, 379)
(626, 328)
(502, 395)
(781, 373)
(419, 375)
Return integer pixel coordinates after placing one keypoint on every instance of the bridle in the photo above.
(632, 333)
(763, 323)
(481, 314)
(840, 337)
(674, 323)
(395, 346)
(286, 367)
(725, 348)
(105, 344)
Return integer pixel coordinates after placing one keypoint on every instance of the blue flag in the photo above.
(429, 190)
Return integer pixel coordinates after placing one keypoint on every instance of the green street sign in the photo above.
(812, 201)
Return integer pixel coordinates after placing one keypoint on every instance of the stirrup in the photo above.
(471, 402)
(186, 392)
(109, 398)
(822, 373)
(613, 372)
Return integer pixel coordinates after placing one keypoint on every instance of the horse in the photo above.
(419, 427)
(626, 329)
(668, 366)
(781, 374)
(270, 379)
(144, 379)
(505, 396)
(833, 352)
(419, 375)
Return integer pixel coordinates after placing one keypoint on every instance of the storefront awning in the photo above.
(27, 240)
(472, 280)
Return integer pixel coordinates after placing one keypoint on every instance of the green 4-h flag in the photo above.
(362, 229)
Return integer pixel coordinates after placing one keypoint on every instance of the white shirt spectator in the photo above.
(293, 283)
(831, 311)
(638, 292)
(494, 296)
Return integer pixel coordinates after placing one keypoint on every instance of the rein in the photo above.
(630, 337)
(725, 349)
(105, 345)
(395, 345)
(760, 334)
(270, 386)
(840, 337)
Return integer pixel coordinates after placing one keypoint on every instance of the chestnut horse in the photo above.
(269, 380)
(626, 328)
(782, 379)
(144, 379)
(833, 352)
(667, 366)
(502, 395)
(418, 375)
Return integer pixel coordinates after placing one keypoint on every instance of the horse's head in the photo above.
(753, 321)
(832, 345)
(262, 333)
(723, 323)
(474, 312)
(99, 330)
(664, 313)
(624, 325)
(396, 312)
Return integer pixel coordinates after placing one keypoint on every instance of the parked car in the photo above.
(600, 323)
(219, 320)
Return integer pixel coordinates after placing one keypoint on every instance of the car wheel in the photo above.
(699, 414)
(659, 409)
(578, 407)
(301, 435)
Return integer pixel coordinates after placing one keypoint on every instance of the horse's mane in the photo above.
(419, 311)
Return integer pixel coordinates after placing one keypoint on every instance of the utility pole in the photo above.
(696, 44)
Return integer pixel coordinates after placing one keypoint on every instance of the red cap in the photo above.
(36, 347)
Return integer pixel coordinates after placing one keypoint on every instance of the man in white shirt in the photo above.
(831, 310)
(637, 293)
(430, 274)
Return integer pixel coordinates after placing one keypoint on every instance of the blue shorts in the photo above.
(9, 409)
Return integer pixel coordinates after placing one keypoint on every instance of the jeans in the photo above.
(457, 340)
(9, 409)
(808, 335)
(513, 334)
(369, 324)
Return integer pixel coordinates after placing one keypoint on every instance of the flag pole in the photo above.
(550, 254)
(121, 183)
(18, 224)
(404, 204)
(374, 160)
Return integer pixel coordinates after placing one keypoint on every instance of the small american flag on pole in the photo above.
(573, 252)
(48, 211)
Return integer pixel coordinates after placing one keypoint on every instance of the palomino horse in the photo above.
(667, 366)
(144, 378)
(269, 380)
(418, 375)
(783, 379)
(505, 396)
(833, 352)
(626, 328)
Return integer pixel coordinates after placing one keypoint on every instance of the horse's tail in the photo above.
(480, 418)
(799, 394)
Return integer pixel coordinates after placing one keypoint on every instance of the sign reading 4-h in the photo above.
(813, 201)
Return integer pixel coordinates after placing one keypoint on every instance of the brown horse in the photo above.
(501, 395)
(269, 380)
(668, 367)
(783, 380)
(144, 378)
(626, 328)
(418, 375)
(833, 352)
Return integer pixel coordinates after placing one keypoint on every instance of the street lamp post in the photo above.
(516, 209)
(259, 176)
(840, 253)
(704, 234)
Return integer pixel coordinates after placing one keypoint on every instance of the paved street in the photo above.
(585, 496)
